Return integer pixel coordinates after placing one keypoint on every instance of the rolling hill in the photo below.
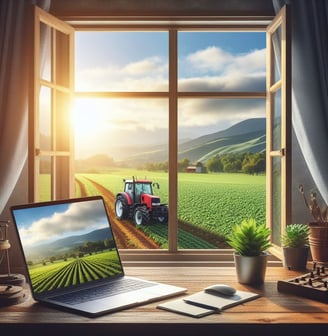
(64, 245)
(246, 136)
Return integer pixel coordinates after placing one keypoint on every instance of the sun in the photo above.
(87, 118)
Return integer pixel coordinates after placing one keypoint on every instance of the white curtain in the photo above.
(309, 19)
(13, 91)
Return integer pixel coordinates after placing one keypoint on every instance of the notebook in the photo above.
(201, 304)
(72, 260)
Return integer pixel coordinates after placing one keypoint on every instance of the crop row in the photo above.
(77, 271)
(159, 233)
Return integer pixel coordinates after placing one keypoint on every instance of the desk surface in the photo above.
(272, 313)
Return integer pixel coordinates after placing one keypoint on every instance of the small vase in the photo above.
(318, 240)
(295, 258)
(251, 270)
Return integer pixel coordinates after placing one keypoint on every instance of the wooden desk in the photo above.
(274, 313)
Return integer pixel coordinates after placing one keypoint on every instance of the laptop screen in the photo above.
(67, 243)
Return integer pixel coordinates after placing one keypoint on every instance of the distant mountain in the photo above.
(246, 136)
(64, 245)
(242, 128)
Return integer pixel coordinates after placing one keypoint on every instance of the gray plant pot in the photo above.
(251, 270)
(295, 258)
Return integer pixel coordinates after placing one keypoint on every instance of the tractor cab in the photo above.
(137, 187)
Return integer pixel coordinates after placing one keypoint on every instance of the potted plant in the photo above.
(318, 236)
(295, 246)
(250, 242)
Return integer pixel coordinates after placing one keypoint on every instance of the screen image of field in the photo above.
(74, 270)
(67, 244)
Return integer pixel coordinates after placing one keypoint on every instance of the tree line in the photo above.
(248, 163)
(88, 247)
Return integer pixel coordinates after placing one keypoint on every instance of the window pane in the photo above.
(63, 125)
(276, 141)
(221, 61)
(276, 202)
(276, 40)
(118, 139)
(45, 52)
(121, 61)
(62, 59)
(45, 118)
(45, 179)
(221, 178)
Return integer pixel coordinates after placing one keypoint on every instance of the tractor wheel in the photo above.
(141, 216)
(163, 219)
(121, 208)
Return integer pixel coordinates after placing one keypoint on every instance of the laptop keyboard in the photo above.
(119, 286)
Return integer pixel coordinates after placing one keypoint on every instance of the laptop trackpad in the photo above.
(116, 301)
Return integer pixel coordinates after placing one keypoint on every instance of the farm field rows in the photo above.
(209, 202)
(74, 271)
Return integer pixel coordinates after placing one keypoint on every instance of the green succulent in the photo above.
(249, 239)
(296, 235)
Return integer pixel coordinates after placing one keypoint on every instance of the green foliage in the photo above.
(249, 239)
(296, 235)
(248, 163)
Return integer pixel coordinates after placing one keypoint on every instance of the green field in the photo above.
(213, 202)
(73, 271)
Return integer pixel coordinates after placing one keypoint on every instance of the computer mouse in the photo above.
(220, 289)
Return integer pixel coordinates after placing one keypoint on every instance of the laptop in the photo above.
(72, 260)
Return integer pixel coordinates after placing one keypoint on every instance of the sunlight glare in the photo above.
(86, 118)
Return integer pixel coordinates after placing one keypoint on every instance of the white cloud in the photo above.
(210, 69)
(200, 112)
(144, 67)
(144, 75)
(210, 59)
(215, 60)
(77, 217)
(249, 63)
(231, 82)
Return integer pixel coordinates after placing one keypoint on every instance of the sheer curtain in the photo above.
(310, 85)
(13, 91)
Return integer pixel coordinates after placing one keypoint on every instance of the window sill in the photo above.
(193, 258)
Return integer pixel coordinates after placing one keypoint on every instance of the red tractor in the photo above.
(137, 201)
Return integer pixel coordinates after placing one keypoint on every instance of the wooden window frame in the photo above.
(172, 255)
(60, 83)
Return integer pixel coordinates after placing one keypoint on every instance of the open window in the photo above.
(278, 170)
(51, 172)
(51, 153)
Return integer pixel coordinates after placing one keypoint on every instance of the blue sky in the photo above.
(137, 61)
(121, 48)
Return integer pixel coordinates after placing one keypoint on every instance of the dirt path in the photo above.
(126, 234)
